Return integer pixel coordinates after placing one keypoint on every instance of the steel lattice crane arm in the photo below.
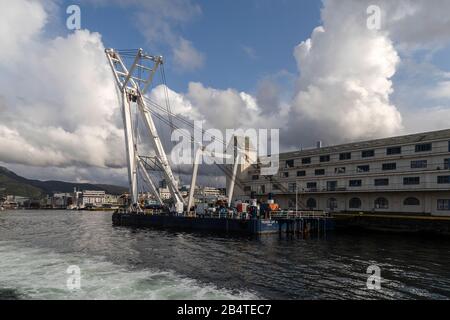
(133, 83)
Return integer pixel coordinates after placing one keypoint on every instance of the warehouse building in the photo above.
(408, 174)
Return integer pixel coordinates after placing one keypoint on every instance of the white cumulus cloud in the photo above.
(58, 101)
(345, 79)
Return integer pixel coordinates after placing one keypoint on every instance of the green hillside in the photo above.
(13, 184)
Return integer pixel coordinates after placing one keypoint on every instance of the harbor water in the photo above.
(38, 247)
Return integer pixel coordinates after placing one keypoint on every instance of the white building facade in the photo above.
(207, 191)
(408, 175)
(164, 193)
(91, 198)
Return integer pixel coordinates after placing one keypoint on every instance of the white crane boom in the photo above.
(131, 91)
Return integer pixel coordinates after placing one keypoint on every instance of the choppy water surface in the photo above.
(37, 247)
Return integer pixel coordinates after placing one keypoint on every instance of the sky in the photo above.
(314, 69)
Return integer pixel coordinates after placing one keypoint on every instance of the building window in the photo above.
(306, 160)
(247, 189)
(367, 153)
(393, 150)
(411, 181)
(443, 204)
(443, 179)
(446, 164)
(411, 202)
(325, 158)
(285, 174)
(289, 163)
(355, 183)
(381, 182)
(381, 203)
(365, 168)
(340, 170)
(276, 186)
(355, 203)
(331, 185)
(449, 146)
(301, 173)
(389, 166)
(320, 172)
(311, 185)
(262, 189)
(311, 203)
(255, 177)
(332, 204)
(292, 187)
(345, 156)
(419, 164)
(423, 147)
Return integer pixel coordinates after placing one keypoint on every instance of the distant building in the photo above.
(163, 184)
(61, 200)
(21, 201)
(184, 190)
(10, 203)
(112, 200)
(407, 174)
(208, 191)
(123, 199)
(91, 198)
(164, 193)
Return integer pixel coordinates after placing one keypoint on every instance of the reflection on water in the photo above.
(36, 247)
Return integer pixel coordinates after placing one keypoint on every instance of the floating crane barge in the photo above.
(132, 84)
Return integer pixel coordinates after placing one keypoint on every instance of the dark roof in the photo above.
(385, 142)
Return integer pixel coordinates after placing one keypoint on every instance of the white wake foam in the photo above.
(41, 274)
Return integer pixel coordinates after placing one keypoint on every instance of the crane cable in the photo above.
(183, 120)
(130, 53)
(168, 109)
(223, 168)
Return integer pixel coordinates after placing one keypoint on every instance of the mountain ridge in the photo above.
(13, 184)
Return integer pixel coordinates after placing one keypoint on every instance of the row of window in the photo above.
(356, 203)
(332, 185)
(379, 203)
(415, 164)
(422, 147)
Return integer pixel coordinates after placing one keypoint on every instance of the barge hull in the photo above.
(224, 225)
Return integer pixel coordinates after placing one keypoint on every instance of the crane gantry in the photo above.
(132, 84)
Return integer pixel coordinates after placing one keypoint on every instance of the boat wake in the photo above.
(30, 273)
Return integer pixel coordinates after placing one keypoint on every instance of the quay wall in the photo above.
(393, 223)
